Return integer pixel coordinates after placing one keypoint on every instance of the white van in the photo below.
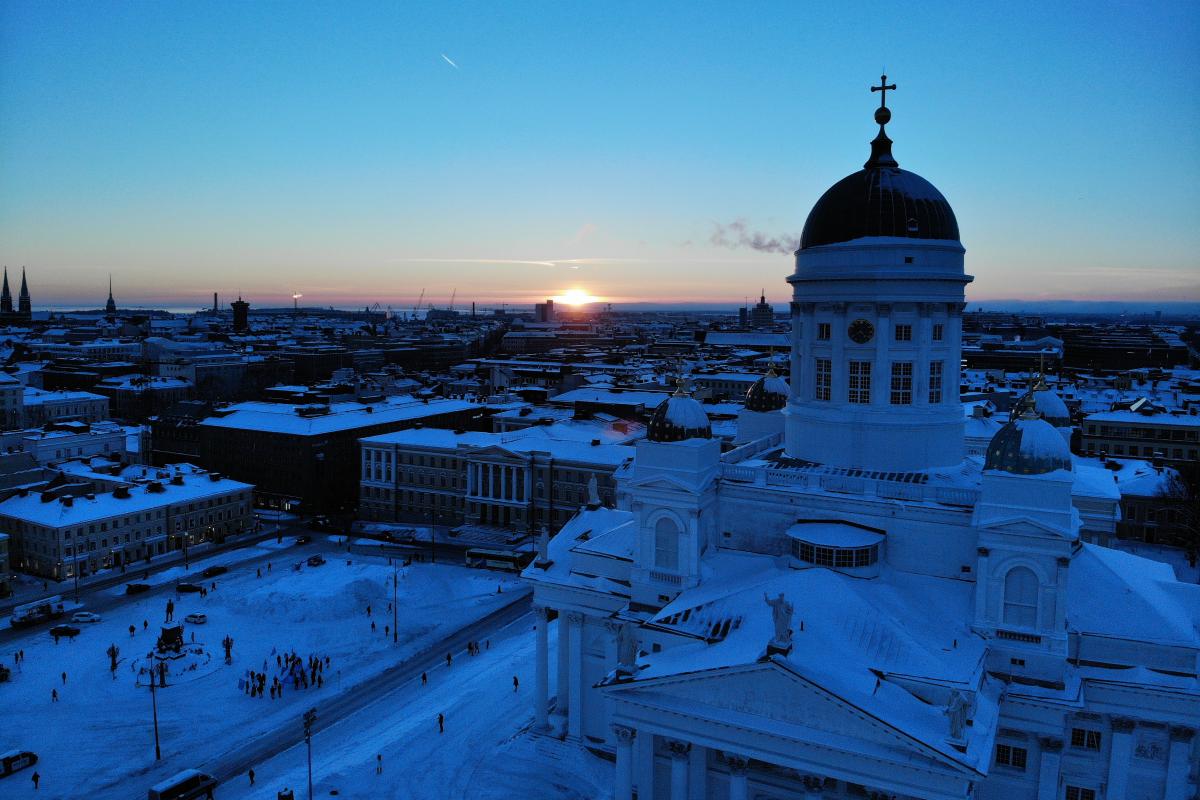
(190, 784)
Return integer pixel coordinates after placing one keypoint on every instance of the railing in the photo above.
(891, 490)
(1016, 636)
(751, 449)
(666, 577)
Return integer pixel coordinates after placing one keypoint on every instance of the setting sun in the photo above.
(575, 297)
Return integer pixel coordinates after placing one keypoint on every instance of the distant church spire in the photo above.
(6, 296)
(111, 306)
(23, 304)
(881, 148)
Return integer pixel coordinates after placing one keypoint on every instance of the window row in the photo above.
(901, 332)
(859, 383)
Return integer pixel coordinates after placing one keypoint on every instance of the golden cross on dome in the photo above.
(883, 88)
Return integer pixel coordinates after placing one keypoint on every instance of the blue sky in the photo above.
(329, 148)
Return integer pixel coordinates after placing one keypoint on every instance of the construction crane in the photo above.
(417, 307)
(453, 294)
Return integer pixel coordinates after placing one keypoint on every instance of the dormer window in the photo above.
(834, 544)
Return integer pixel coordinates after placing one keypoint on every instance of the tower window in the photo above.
(860, 382)
(902, 376)
(1078, 793)
(1021, 597)
(824, 375)
(666, 544)
(904, 333)
(823, 331)
(939, 331)
(935, 381)
(1085, 739)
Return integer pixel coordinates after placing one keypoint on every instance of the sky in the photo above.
(362, 152)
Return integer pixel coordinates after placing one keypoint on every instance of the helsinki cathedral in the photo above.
(845, 604)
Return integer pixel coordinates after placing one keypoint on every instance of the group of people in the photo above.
(303, 673)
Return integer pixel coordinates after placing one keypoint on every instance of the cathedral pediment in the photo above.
(666, 483)
(774, 700)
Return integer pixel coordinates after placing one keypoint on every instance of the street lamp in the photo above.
(310, 717)
(395, 602)
(154, 707)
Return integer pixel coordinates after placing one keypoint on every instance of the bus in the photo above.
(507, 560)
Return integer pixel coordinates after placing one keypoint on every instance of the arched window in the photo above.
(666, 544)
(1021, 597)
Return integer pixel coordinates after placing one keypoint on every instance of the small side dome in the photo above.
(768, 393)
(678, 418)
(1046, 404)
(1028, 445)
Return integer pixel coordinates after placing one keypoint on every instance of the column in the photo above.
(881, 372)
(1048, 771)
(1177, 763)
(839, 380)
(1118, 760)
(470, 479)
(739, 788)
(1060, 594)
(924, 336)
(624, 780)
(644, 764)
(697, 772)
(563, 704)
(541, 689)
(575, 629)
(981, 585)
(679, 769)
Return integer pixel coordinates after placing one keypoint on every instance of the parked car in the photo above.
(187, 785)
(303, 539)
(214, 571)
(70, 631)
(136, 588)
(196, 619)
(316, 561)
(187, 588)
(85, 616)
(14, 760)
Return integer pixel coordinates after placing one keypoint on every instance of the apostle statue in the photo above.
(781, 615)
(627, 648)
(593, 492)
(957, 709)
(543, 546)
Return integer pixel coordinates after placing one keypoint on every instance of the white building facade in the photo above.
(869, 611)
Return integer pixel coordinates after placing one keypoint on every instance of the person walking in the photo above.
(54, 695)
(424, 678)
(132, 631)
(379, 764)
(441, 724)
(516, 683)
(36, 779)
(250, 775)
(64, 679)
(449, 659)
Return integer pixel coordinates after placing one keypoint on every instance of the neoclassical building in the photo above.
(866, 611)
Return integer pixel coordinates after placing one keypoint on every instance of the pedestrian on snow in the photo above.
(54, 695)
(372, 626)
(258, 572)
(379, 764)
(250, 775)
(424, 678)
(386, 630)
(170, 610)
(55, 635)
(145, 624)
(268, 566)
(449, 659)
(516, 683)
(441, 724)
(132, 631)
(64, 679)
(36, 778)
(368, 611)
(214, 586)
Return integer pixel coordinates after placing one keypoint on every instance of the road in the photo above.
(242, 755)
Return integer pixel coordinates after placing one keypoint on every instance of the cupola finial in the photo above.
(881, 147)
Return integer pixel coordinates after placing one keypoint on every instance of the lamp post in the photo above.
(154, 708)
(310, 717)
(395, 602)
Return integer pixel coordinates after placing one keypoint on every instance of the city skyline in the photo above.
(635, 156)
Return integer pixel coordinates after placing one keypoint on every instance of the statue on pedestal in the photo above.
(781, 615)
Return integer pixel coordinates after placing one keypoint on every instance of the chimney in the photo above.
(121, 492)
(177, 480)
(67, 501)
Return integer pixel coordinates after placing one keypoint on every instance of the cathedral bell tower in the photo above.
(674, 484)
(876, 321)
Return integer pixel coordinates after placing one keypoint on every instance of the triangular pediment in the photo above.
(498, 451)
(1021, 525)
(773, 698)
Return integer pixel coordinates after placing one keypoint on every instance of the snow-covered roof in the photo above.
(834, 534)
(284, 418)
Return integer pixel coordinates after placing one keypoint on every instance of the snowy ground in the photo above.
(98, 736)
(486, 753)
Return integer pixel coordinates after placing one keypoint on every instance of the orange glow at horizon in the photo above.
(575, 297)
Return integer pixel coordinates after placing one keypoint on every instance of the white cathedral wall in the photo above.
(920, 539)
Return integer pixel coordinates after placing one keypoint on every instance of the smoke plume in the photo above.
(737, 234)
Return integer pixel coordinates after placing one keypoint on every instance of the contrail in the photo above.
(448, 61)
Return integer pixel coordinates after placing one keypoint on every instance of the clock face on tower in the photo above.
(861, 331)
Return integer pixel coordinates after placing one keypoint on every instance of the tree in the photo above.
(1181, 510)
